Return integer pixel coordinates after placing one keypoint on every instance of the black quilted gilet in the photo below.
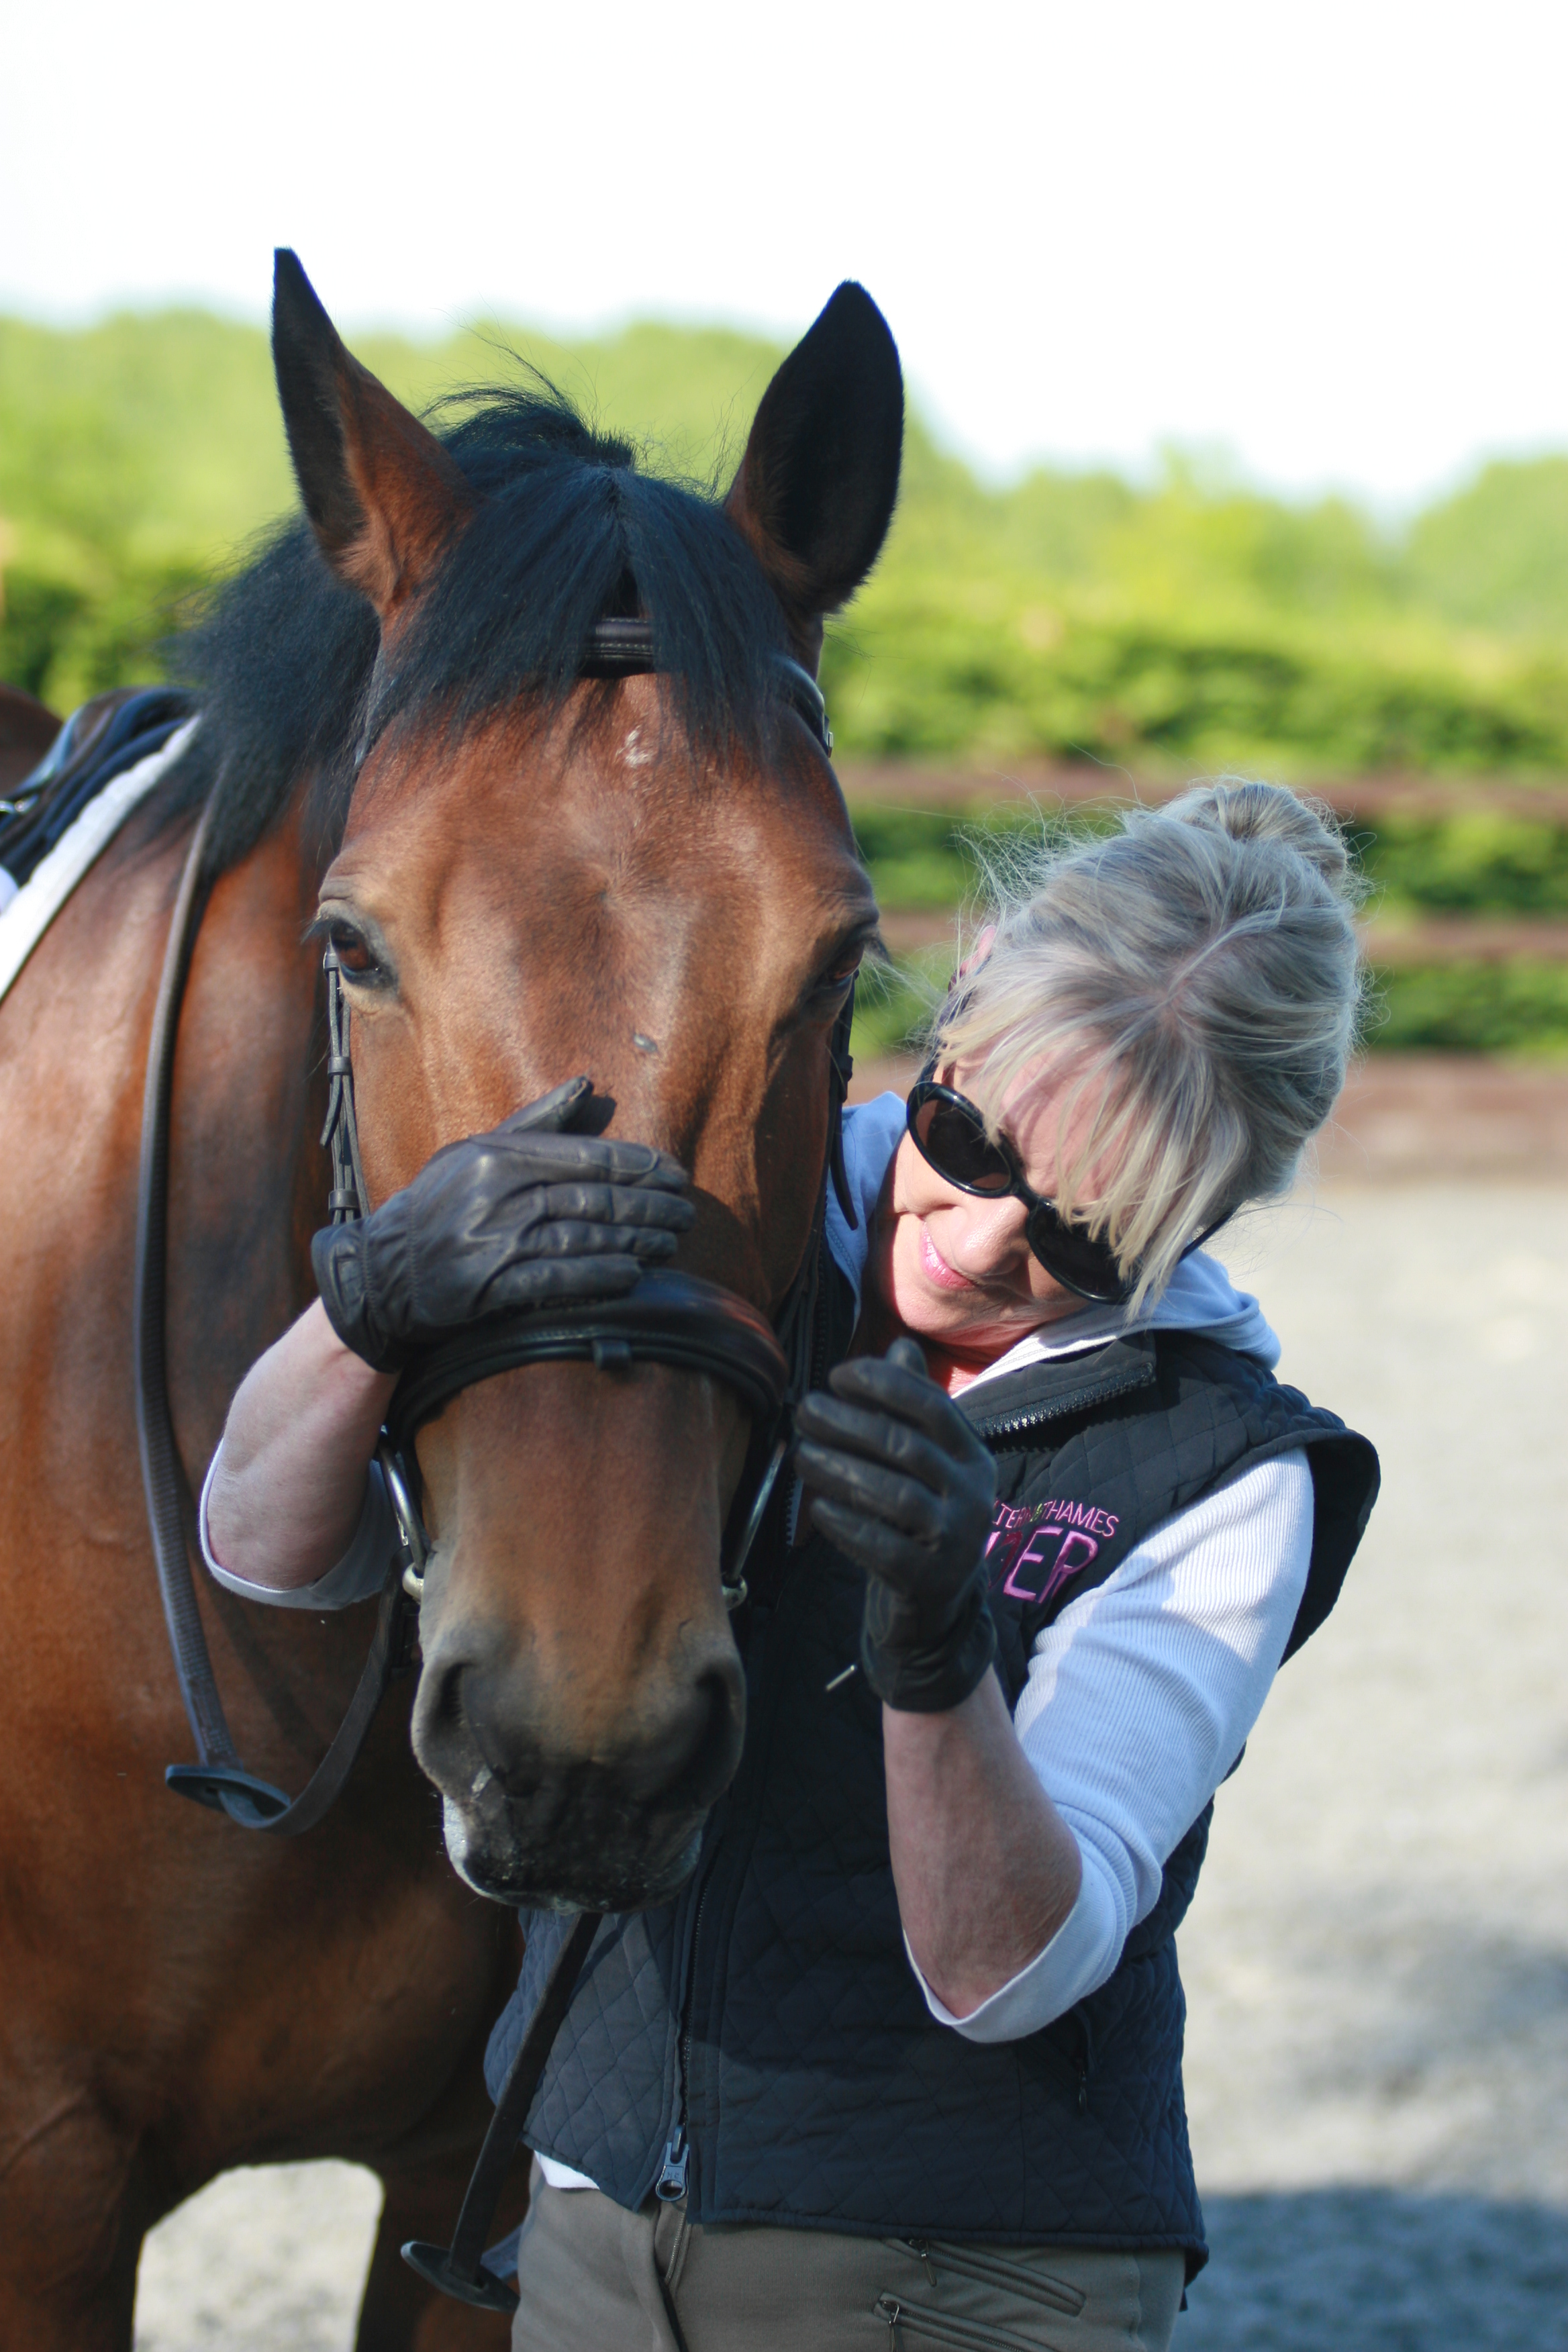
(768, 2021)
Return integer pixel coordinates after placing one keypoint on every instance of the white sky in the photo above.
(1330, 236)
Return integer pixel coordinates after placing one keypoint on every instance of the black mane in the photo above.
(567, 531)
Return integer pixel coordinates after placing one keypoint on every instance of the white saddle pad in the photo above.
(26, 914)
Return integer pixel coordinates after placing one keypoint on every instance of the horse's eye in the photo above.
(833, 983)
(352, 949)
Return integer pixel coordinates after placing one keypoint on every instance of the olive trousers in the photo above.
(595, 2278)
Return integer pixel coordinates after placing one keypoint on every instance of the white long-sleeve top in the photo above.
(1141, 1696)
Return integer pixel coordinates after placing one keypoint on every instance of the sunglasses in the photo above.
(950, 1135)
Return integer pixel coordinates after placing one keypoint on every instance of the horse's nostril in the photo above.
(479, 1718)
(717, 1750)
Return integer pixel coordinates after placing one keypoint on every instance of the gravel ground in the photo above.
(1377, 1962)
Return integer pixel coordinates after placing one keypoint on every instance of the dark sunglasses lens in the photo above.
(1084, 1265)
(958, 1147)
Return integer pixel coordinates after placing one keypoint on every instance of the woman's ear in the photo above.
(976, 955)
(385, 498)
(815, 493)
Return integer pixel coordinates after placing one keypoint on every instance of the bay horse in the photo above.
(524, 875)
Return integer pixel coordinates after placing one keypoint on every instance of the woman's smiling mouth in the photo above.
(935, 1267)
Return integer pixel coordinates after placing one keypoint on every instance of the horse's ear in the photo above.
(815, 493)
(383, 497)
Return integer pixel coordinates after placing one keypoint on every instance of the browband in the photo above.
(668, 1319)
(622, 649)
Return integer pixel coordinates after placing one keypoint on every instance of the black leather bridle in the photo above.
(670, 1318)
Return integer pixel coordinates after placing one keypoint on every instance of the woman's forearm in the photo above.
(289, 1485)
(986, 1870)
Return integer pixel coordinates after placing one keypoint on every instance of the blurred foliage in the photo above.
(1518, 1008)
(1493, 556)
(1464, 1007)
(922, 859)
(1191, 624)
(1195, 624)
(1479, 861)
(1201, 624)
(139, 458)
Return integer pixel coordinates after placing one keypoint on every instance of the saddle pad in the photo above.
(27, 915)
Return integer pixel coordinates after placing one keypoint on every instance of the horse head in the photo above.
(651, 879)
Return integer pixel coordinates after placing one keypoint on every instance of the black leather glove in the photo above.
(905, 1487)
(529, 1213)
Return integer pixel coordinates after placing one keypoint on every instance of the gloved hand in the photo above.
(529, 1213)
(905, 1487)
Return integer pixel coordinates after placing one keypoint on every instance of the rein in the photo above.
(218, 1779)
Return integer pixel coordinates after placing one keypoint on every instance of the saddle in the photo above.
(27, 727)
(97, 743)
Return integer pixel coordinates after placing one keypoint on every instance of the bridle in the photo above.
(677, 1319)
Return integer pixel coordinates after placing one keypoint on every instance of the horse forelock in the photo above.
(568, 529)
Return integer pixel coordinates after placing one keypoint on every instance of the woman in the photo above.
(906, 2055)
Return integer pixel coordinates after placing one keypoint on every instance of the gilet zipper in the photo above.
(1016, 1424)
(671, 2186)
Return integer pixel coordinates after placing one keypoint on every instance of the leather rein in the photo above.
(667, 1318)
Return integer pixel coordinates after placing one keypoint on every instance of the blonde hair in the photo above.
(1192, 984)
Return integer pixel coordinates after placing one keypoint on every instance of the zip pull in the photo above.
(671, 2186)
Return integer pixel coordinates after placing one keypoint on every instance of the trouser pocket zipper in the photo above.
(992, 2267)
(901, 2318)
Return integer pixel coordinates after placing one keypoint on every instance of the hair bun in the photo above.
(1251, 811)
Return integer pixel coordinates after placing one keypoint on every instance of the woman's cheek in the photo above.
(915, 1299)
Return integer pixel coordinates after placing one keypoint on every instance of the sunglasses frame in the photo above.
(1041, 1212)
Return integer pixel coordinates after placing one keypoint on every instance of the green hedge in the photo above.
(63, 641)
(925, 682)
(1192, 623)
(1477, 861)
(1518, 1008)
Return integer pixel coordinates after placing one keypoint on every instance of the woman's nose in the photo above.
(988, 1238)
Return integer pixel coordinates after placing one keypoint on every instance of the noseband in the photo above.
(668, 1319)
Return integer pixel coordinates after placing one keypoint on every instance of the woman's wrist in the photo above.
(289, 1485)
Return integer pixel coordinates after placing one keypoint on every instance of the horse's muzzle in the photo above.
(541, 1813)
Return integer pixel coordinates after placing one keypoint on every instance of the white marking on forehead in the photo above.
(632, 753)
